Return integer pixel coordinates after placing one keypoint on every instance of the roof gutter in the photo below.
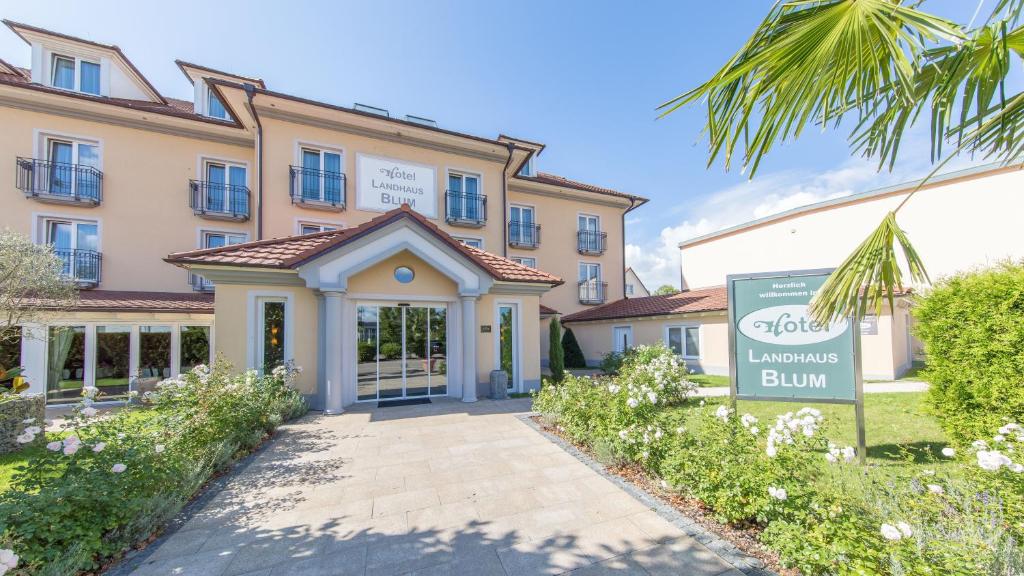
(250, 91)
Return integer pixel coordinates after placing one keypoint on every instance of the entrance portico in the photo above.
(399, 308)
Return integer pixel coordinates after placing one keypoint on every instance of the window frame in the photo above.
(519, 260)
(467, 239)
(533, 222)
(211, 97)
(462, 175)
(682, 335)
(255, 322)
(320, 150)
(76, 66)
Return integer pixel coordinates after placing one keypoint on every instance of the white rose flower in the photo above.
(890, 532)
(25, 437)
(632, 402)
(159, 448)
(652, 397)
(28, 421)
(936, 489)
(771, 450)
(70, 449)
(831, 458)
(979, 445)
(777, 493)
(1016, 468)
(8, 560)
(118, 468)
(999, 438)
(88, 412)
(992, 460)
(754, 430)
(904, 529)
(99, 447)
(33, 429)
(53, 446)
(948, 452)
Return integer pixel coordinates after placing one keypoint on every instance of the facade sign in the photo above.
(779, 351)
(384, 184)
(869, 326)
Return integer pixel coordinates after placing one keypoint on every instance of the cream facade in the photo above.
(116, 177)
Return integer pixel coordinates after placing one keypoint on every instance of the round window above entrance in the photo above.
(404, 274)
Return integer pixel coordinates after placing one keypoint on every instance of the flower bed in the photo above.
(801, 495)
(21, 420)
(109, 483)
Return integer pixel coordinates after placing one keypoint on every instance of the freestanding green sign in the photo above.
(778, 352)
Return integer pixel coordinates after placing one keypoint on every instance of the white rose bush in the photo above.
(108, 480)
(806, 497)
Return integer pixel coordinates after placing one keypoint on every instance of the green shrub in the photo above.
(367, 351)
(612, 362)
(110, 482)
(391, 350)
(972, 326)
(556, 356)
(572, 352)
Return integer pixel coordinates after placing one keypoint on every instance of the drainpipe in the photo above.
(250, 91)
(632, 204)
(504, 203)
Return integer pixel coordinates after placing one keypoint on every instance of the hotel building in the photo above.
(388, 256)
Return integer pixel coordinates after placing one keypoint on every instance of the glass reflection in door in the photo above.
(417, 376)
(506, 342)
(402, 352)
(390, 363)
(366, 371)
(438, 364)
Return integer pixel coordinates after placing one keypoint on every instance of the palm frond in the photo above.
(870, 276)
(810, 62)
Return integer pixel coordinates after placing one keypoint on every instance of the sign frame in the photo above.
(360, 202)
(854, 326)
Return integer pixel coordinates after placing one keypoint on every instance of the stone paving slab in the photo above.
(440, 489)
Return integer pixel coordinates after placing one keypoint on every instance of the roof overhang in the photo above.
(564, 192)
(197, 72)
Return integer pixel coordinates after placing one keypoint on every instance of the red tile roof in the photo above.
(547, 311)
(556, 180)
(293, 251)
(121, 301)
(703, 300)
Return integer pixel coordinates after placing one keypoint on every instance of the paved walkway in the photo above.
(869, 388)
(440, 489)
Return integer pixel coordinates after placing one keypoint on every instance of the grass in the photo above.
(898, 426)
(709, 380)
(918, 372)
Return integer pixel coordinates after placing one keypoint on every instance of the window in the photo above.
(684, 340)
(194, 347)
(73, 167)
(214, 107)
(214, 240)
(113, 359)
(226, 187)
(154, 355)
(590, 272)
(71, 73)
(306, 228)
(630, 289)
(522, 229)
(65, 363)
(272, 334)
(588, 233)
(531, 262)
(77, 244)
(591, 288)
(464, 199)
(474, 242)
(321, 175)
(527, 169)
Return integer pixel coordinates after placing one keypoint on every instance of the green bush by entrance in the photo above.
(571, 349)
(972, 326)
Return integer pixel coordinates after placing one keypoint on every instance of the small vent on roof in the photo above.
(421, 120)
(371, 109)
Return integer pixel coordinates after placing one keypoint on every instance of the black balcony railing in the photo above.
(199, 284)
(60, 182)
(317, 188)
(591, 242)
(82, 266)
(592, 291)
(523, 234)
(219, 201)
(464, 208)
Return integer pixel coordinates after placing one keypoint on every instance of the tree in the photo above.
(573, 354)
(666, 290)
(556, 356)
(33, 285)
(881, 63)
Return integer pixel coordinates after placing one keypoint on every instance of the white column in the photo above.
(469, 348)
(332, 350)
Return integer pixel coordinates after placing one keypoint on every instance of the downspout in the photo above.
(632, 204)
(504, 202)
(250, 91)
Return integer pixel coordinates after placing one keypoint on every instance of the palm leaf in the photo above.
(869, 276)
(810, 62)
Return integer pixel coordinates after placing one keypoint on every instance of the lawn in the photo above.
(709, 380)
(894, 422)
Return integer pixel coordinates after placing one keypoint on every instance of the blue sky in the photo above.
(582, 77)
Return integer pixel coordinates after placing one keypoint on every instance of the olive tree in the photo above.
(33, 286)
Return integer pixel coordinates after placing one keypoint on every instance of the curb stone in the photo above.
(726, 550)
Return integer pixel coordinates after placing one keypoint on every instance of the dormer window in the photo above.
(70, 73)
(527, 169)
(214, 107)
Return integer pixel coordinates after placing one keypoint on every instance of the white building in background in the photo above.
(956, 221)
(634, 286)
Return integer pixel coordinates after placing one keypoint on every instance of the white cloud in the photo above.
(657, 261)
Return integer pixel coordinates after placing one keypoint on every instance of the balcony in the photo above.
(591, 242)
(219, 201)
(465, 209)
(81, 266)
(592, 291)
(198, 283)
(317, 189)
(523, 234)
(60, 183)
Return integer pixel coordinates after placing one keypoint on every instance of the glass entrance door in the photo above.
(402, 352)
